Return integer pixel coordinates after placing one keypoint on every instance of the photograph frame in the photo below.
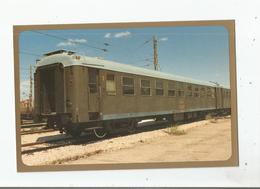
(232, 161)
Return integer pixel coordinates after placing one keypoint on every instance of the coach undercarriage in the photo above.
(101, 128)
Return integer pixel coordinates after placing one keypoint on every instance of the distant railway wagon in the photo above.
(76, 93)
(26, 110)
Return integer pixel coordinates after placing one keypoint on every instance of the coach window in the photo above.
(181, 93)
(228, 94)
(92, 81)
(171, 91)
(202, 91)
(196, 92)
(189, 90)
(111, 84)
(145, 87)
(159, 88)
(128, 86)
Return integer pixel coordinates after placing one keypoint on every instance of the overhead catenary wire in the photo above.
(64, 39)
(144, 43)
(90, 46)
(133, 53)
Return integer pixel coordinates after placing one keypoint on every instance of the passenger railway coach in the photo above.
(76, 93)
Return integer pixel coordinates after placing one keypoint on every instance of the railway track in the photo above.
(36, 131)
(65, 142)
(33, 125)
(34, 128)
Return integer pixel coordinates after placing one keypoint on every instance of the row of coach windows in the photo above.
(145, 86)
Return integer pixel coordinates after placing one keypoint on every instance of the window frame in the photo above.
(172, 89)
(202, 91)
(90, 83)
(209, 92)
(182, 92)
(122, 85)
(196, 92)
(189, 90)
(145, 87)
(157, 88)
(111, 93)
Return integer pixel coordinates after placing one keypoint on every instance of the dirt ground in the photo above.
(208, 141)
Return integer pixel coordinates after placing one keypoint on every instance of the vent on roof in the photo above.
(59, 52)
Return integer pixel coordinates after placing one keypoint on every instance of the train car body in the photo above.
(77, 92)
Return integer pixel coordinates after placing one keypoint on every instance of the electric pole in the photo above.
(155, 54)
(30, 93)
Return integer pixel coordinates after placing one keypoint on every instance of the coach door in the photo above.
(49, 89)
(94, 94)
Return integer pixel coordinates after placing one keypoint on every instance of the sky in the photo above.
(198, 52)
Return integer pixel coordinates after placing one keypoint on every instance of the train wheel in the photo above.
(100, 133)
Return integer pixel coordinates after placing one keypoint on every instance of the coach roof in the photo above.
(70, 59)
